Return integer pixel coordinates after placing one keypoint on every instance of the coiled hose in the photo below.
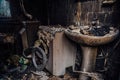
(37, 55)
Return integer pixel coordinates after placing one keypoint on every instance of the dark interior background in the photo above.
(63, 12)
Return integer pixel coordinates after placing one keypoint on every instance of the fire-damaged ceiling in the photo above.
(59, 40)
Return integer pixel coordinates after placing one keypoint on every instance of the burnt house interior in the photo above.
(59, 40)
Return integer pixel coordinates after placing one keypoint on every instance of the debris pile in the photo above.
(6, 38)
(45, 35)
(19, 68)
(25, 66)
(65, 77)
(93, 30)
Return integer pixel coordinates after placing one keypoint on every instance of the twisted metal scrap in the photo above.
(45, 35)
(95, 76)
(43, 39)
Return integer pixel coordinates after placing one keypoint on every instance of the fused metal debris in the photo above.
(45, 35)
(38, 57)
(52, 29)
(6, 38)
(65, 77)
(18, 68)
(41, 74)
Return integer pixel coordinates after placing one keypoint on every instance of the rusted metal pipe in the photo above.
(88, 62)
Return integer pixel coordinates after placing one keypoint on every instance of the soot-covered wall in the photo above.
(66, 12)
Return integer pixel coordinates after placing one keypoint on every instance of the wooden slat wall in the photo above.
(94, 9)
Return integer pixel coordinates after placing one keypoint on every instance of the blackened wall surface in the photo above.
(116, 14)
(61, 11)
(50, 12)
(114, 61)
(38, 9)
(15, 9)
(91, 9)
(66, 12)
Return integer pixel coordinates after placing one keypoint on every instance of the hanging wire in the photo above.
(24, 11)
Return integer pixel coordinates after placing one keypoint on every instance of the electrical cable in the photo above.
(24, 11)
